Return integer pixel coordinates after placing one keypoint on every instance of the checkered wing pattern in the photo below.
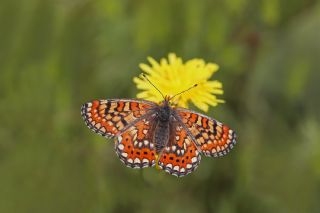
(109, 117)
(212, 137)
(180, 157)
(135, 146)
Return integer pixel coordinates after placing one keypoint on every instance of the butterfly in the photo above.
(149, 134)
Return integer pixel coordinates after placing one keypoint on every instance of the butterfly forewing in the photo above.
(109, 117)
(212, 137)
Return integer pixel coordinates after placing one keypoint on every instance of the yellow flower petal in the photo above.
(172, 76)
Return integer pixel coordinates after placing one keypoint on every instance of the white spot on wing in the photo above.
(137, 160)
(145, 160)
(121, 146)
(194, 159)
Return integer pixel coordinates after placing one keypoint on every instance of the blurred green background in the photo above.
(56, 55)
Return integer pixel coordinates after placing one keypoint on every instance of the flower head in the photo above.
(173, 76)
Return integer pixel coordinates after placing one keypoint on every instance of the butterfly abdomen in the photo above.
(161, 135)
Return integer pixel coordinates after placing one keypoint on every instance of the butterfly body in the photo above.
(162, 129)
(147, 133)
(161, 135)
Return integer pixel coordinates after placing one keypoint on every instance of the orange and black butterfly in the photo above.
(149, 134)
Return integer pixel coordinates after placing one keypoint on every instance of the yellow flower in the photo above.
(173, 76)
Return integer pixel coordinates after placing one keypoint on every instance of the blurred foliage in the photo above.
(57, 54)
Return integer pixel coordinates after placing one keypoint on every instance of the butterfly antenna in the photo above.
(184, 91)
(153, 85)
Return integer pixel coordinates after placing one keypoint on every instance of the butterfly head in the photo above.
(168, 101)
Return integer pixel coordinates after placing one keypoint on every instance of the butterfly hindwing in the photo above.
(108, 117)
(212, 137)
(180, 157)
(135, 146)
